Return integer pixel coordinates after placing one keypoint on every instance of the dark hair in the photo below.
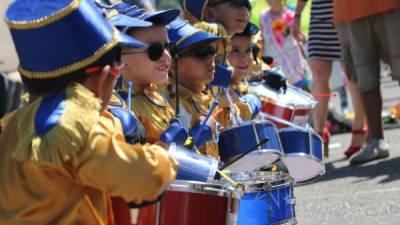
(43, 86)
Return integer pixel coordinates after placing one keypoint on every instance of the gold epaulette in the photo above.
(224, 45)
(64, 140)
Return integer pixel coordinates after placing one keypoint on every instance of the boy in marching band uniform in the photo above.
(195, 67)
(224, 18)
(148, 70)
(63, 155)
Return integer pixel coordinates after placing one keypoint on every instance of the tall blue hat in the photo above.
(182, 34)
(195, 7)
(53, 38)
(165, 16)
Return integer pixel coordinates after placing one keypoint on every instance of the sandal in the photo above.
(352, 149)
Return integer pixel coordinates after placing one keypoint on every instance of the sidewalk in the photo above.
(353, 195)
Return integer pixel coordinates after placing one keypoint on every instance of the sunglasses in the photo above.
(199, 52)
(236, 3)
(155, 51)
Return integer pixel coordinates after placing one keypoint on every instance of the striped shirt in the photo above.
(323, 42)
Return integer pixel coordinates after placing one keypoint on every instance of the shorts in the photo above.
(365, 42)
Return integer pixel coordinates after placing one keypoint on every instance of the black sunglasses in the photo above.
(199, 52)
(236, 3)
(154, 51)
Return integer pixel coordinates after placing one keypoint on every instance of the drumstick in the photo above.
(204, 122)
(235, 118)
(231, 181)
(129, 95)
(262, 141)
(280, 120)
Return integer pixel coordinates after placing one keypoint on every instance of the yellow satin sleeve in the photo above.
(135, 172)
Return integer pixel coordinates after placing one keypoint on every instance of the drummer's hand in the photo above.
(254, 103)
(175, 133)
(297, 33)
(204, 136)
(276, 81)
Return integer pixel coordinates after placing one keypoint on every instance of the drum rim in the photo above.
(224, 190)
(249, 122)
(273, 184)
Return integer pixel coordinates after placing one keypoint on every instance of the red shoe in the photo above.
(351, 150)
(326, 136)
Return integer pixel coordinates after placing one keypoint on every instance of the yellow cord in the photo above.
(230, 180)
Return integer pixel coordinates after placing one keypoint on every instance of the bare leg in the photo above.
(359, 114)
(373, 112)
(321, 73)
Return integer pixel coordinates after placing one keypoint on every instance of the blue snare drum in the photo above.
(237, 140)
(303, 154)
(268, 198)
(193, 166)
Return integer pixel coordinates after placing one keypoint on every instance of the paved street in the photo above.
(367, 194)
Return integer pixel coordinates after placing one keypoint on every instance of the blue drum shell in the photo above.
(193, 166)
(301, 143)
(236, 141)
(273, 206)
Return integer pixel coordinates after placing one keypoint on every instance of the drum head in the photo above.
(255, 160)
(304, 169)
(294, 97)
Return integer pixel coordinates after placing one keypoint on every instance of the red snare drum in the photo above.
(197, 203)
(293, 106)
(185, 203)
(123, 215)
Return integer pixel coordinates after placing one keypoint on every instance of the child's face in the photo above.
(232, 17)
(139, 68)
(197, 64)
(240, 57)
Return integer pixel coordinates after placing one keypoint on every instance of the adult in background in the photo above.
(369, 31)
(323, 49)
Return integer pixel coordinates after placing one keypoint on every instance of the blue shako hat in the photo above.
(182, 34)
(195, 7)
(54, 38)
(165, 16)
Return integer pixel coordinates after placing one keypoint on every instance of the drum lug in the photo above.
(292, 201)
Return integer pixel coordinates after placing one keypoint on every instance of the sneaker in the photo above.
(374, 149)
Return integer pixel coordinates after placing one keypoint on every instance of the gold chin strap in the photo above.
(230, 180)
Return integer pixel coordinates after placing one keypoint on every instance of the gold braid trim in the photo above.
(75, 66)
(187, 37)
(31, 24)
(67, 138)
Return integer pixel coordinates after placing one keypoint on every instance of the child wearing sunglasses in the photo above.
(195, 68)
(148, 70)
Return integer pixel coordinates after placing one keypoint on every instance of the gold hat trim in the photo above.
(75, 66)
(187, 37)
(31, 24)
